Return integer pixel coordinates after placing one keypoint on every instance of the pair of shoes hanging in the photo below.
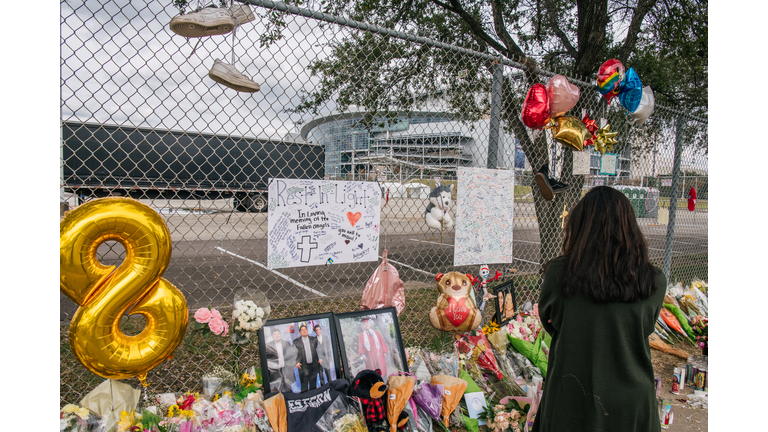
(548, 186)
(212, 21)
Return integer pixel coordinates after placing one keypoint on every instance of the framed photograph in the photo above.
(371, 340)
(299, 354)
(506, 305)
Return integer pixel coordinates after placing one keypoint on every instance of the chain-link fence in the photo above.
(141, 118)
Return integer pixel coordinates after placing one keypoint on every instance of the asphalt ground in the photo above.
(217, 251)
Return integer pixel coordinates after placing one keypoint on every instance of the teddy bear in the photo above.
(436, 213)
(369, 387)
(455, 309)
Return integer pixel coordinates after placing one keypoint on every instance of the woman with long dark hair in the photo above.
(599, 301)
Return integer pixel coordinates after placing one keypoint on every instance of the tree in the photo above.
(385, 75)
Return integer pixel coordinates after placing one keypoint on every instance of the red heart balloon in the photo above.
(456, 312)
(536, 107)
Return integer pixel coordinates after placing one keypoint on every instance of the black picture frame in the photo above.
(350, 327)
(503, 313)
(289, 329)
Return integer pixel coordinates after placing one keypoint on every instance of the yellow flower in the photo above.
(126, 421)
(215, 397)
(83, 413)
(70, 408)
(173, 411)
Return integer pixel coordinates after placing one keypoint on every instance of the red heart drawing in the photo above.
(354, 217)
(456, 312)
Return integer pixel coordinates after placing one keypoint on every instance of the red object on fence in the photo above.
(692, 199)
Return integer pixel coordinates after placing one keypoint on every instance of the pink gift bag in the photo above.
(384, 288)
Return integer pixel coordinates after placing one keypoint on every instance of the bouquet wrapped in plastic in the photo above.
(341, 417)
(417, 365)
(74, 418)
(480, 349)
(442, 364)
(250, 313)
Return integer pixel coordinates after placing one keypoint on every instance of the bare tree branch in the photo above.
(501, 31)
(558, 31)
(476, 27)
(642, 9)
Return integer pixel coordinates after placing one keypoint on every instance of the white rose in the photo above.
(251, 313)
(258, 322)
(236, 313)
(260, 312)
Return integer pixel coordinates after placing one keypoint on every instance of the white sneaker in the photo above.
(227, 75)
(205, 22)
(243, 13)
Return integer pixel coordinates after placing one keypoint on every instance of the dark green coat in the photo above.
(600, 375)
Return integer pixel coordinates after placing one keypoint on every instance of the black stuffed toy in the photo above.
(369, 387)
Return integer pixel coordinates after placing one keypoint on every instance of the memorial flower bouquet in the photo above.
(509, 417)
(210, 321)
(74, 418)
(249, 313)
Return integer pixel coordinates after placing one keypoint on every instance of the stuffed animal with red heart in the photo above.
(455, 308)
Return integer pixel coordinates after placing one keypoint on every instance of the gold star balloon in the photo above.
(605, 139)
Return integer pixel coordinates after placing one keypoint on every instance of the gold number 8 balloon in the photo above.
(105, 294)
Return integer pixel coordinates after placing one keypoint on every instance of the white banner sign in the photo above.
(484, 216)
(319, 222)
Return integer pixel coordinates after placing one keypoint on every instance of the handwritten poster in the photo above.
(484, 216)
(322, 222)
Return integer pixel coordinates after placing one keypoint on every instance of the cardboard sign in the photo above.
(314, 222)
(580, 163)
(485, 203)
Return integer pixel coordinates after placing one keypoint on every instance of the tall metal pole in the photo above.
(495, 132)
(673, 196)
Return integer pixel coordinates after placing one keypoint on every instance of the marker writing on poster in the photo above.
(311, 196)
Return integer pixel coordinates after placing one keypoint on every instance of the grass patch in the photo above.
(683, 203)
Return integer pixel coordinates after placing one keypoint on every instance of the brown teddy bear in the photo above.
(455, 309)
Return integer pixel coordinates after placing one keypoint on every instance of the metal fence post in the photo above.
(495, 127)
(673, 196)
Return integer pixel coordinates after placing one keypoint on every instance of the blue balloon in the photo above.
(631, 90)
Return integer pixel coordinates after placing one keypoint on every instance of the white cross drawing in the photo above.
(306, 247)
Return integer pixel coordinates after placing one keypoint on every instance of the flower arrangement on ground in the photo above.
(700, 327)
(509, 417)
(74, 418)
(210, 321)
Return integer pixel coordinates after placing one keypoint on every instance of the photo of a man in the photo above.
(301, 353)
(372, 348)
(281, 358)
(324, 354)
(307, 361)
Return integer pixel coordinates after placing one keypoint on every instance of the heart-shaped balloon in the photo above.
(536, 107)
(569, 131)
(562, 95)
(645, 108)
(609, 78)
(631, 90)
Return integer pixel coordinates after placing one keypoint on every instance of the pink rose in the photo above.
(226, 328)
(259, 413)
(215, 314)
(216, 325)
(203, 315)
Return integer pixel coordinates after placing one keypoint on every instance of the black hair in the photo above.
(302, 326)
(275, 330)
(607, 253)
(316, 327)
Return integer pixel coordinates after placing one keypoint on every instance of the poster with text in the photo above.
(484, 216)
(322, 222)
